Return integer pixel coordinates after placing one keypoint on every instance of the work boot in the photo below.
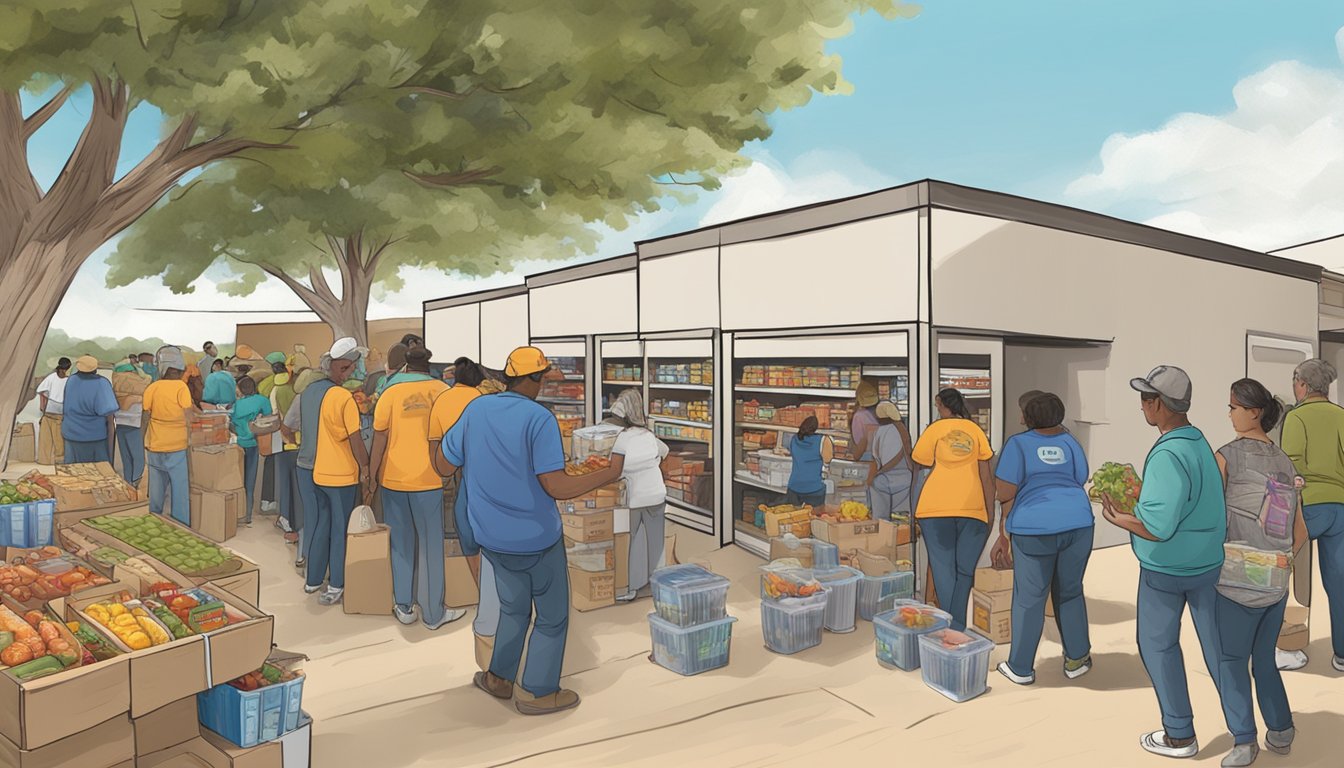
(495, 686)
(485, 651)
(1280, 742)
(559, 701)
(1242, 755)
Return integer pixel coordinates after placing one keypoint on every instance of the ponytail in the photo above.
(953, 401)
(1250, 393)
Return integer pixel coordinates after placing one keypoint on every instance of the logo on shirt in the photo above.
(1049, 454)
(959, 444)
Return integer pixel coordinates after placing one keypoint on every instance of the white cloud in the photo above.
(1268, 174)
(766, 186)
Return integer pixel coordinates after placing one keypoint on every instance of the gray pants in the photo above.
(486, 623)
(647, 527)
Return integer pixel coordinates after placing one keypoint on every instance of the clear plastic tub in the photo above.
(843, 584)
(880, 593)
(897, 642)
(687, 595)
(594, 441)
(691, 650)
(794, 577)
(960, 673)
(793, 624)
(824, 555)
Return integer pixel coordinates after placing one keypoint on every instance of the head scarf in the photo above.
(629, 406)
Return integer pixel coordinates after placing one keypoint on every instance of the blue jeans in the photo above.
(169, 470)
(287, 487)
(1161, 602)
(327, 547)
(416, 523)
(308, 514)
(954, 545)
(540, 579)
(1049, 565)
(131, 446)
(250, 457)
(86, 451)
(1247, 637)
(1325, 526)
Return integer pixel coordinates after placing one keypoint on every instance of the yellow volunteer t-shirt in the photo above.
(955, 448)
(448, 409)
(338, 421)
(403, 413)
(166, 402)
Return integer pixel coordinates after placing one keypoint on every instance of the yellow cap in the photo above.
(525, 361)
(86, 364)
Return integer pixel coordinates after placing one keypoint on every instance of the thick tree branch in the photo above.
(39, 118)
(309, 297)
(455, 179)
(439, 92)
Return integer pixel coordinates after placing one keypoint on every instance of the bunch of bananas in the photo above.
(853, 510)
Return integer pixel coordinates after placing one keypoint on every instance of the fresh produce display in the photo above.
(850, 511)
(170, 620)
(779, 584)
(94, 645)
(588, 466)
(41, 481)
(44, 574)
(786, 509)
(268, 675)
(1120, 482)
(110, 555)
(127, 618)
(22, 491)
(174, 546)
(24, 642)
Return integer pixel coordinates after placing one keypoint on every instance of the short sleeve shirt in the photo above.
(644, 455)
(167, 401)
(954, 447)
(448, 409)
(335, 465)
(54, 388)
(244, 411)
(1050, 472)
(403, 413)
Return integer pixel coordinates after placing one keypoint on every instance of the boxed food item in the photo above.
(368, 573)
(208, 428)
(216, 467)
(138, 531)
(690, 650)
(259, 706)
(84, 486)
(31, 577)
(607, 497)
(993, 579)
(955, 664)
(686, 595)
(588, 527)
(992, 614)
(590, 591)
(787, 518)
(215, 514)
(166, 727)
(109, 744)
(23, 444)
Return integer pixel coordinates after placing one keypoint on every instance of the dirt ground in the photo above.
(387, 696)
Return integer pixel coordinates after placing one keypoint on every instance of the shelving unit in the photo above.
(971, 375)
(619, 373)
(681, 407)
(565, 392)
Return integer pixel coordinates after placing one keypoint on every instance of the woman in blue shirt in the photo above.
(1040, 484)
(811, 452)
(245, 411)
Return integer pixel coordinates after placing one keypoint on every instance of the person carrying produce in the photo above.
(643, 455)
(957, 501)
(516, 461)
(412, 495)
(1046, 512)
(1264, 512)
(166, 405)
(811, 453)
(90, 403)
(1177, 533)
(1312, 434)
(893, 471)
(245, 411)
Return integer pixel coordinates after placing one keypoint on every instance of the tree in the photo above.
(238, 78)
(516, 123)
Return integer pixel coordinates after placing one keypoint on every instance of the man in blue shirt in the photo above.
(516, 462)
(89, 407)
(1177, 532)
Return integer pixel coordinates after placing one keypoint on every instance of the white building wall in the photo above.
(591, 306)
(454, 332)
(504, 324)
(679, 292)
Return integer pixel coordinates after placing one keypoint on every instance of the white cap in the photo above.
(347, 349)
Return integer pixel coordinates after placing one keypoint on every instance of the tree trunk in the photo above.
(347, 314)
(348, 318)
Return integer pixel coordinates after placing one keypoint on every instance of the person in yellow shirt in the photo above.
(955, 508)
(340, 468)
(412, 494)
(166, 405)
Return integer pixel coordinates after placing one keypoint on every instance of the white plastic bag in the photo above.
(361, 520)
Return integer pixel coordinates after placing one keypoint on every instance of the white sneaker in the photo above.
(269, 506)
(449, 616)
(312, 590)
(1156, 743)
(1337, 663)
(331, 596)
(1288, 661)
(284, 525)
(406, 616)
(1076, 669)
(1008, 672)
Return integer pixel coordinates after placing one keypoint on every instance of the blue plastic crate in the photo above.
(878, 594)
(41, 523)
(689, 595)
(27, 524)
(248, 718)
(14, 525)
(691, 650)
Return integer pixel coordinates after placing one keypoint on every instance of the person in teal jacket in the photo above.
(1177, 532)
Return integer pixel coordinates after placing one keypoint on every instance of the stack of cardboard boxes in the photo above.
(992, 604)
(687, 479)
(589, 526)
(882, 538)
(218, 500)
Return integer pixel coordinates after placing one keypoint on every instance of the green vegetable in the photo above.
(271, 674)
(173, 623)
(6, 640)
(37, 668)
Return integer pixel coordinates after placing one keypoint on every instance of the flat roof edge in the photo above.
(610, 266)
(476, 297)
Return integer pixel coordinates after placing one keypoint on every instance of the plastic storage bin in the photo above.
(898, 643)
(14, 525)
(793, 624)
(960, 673)
(775, 468)
(880, 593)
(594, 441)
(687, 595)
(843, 584)
(248, 718)
(691, 650)
(27, 524)
(796, 577)
(824, 555)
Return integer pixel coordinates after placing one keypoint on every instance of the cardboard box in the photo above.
(670, 550)
(245, 584)
(992, 615)
(23, 444)
(993, 579)
(799, 523)
(368, 573)
(589, 591)
(196, 753)
(1295, 634)
(90, 486)
(270, 754)
(589, 527)
(878, 537)
(459, 586)
(623, 562)
(166, 727)
(216, 467)
(110, 744)
(215, 514)
(606, 497)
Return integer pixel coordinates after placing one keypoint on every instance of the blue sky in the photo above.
(1067, 101)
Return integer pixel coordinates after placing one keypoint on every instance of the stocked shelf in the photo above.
(623, 371)
(682, 422)
(698, 373)
(559, 400)
(682, 414)
(621, 383)
(688, 387)
(746, 478)
(789, 430)
(804, 391)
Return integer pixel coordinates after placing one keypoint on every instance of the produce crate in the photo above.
(28, 524)
(843, 584)
(688, 595)
(793, 624)
(878, 594)
(690, 650)
(248, 718)
(960, 673)
(897, 643)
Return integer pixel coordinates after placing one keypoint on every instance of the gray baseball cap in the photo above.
(1168, 382)
(171, 357)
